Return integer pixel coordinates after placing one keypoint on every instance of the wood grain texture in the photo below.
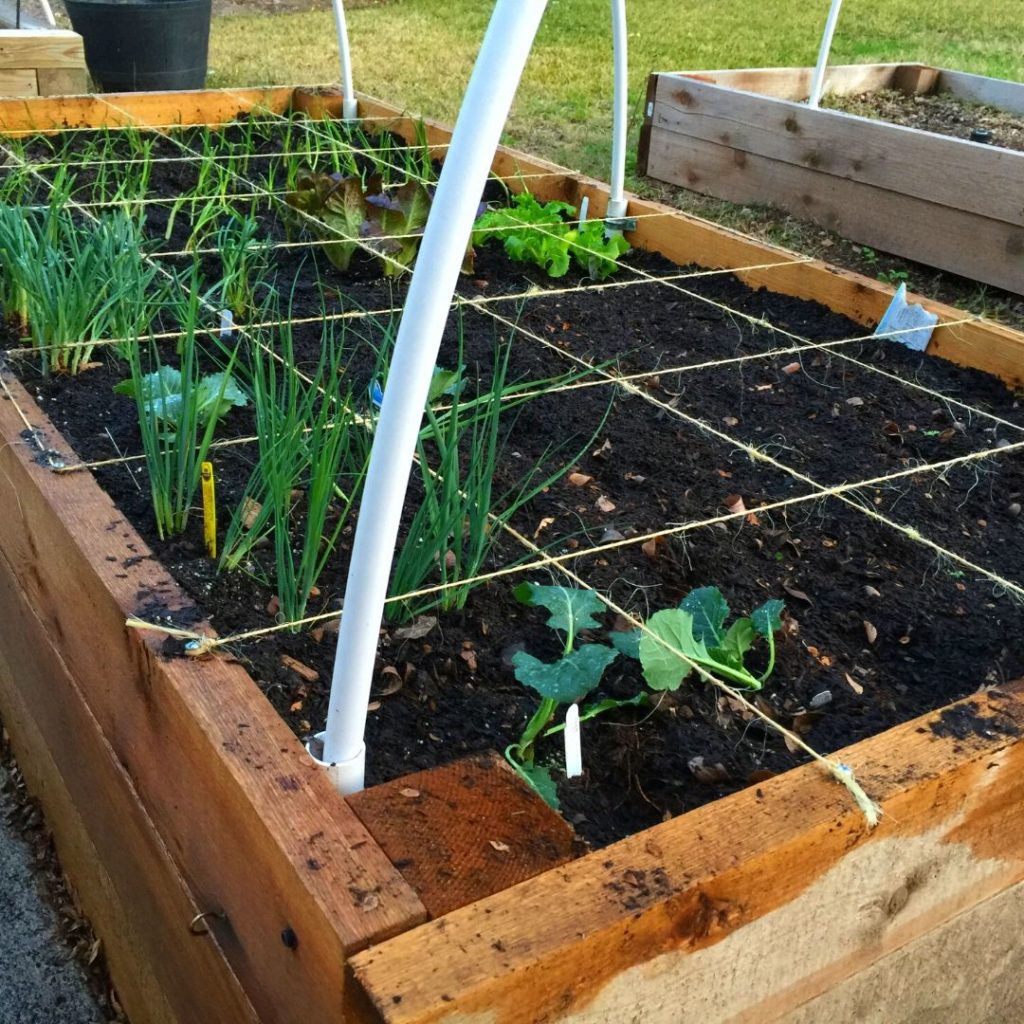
(741, 910)
(53, 48)
(795, 83)
(464, 831)
(62, 81)
(18, 82)
(214, 767)
(123, 874)
(930, 980)
(965, 243)
(995, 92)
(895, 188)
(834, 144)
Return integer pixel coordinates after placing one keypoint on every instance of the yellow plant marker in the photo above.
(209, 509)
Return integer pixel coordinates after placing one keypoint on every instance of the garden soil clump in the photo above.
(878, 626)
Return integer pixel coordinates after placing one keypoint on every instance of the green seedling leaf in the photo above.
(162, 395)
(608, 704)
(571, 609)
(708, 610)
(336, 208)
(444, 382)
(539, 780)
(537, 233)
(737, 642)
(768, 618)
(663, 669)
(627, 643)
(216, 394)
(570, 678)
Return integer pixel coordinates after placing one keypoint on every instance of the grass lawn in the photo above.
(418, 54)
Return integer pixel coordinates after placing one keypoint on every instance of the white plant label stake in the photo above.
(573, 743)
(227, 324)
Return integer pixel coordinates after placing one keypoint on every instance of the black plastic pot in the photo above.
(138, 45)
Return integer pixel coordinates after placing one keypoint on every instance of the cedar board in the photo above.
(173, 788)
(748, 137)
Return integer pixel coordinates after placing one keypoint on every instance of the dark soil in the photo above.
(942, 113)
(878, 629)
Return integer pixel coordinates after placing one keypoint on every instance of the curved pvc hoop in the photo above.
(620, 114)
(492, 86)
(349, 104)
(818, 81)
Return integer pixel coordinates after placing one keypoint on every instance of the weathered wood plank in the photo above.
(18, 82)
(216, 769)
(129, 888)
(943, 236)
(904, 161)
(741, 910)
(795, 83)
(62, 81)
(52, 48)
(932, 979)
(995, 92)
(52, 114)
(464, 831)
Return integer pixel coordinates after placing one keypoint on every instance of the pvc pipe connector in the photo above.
(818, 81)
(485, 108)
(349, 103)
(347, 776)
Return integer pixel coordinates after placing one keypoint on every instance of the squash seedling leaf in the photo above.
(664, 669)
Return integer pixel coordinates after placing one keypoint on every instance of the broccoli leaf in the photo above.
(768, 618)
(571, 609)
(538, 778)
(570, 678)
(709, 611)
(626, 642)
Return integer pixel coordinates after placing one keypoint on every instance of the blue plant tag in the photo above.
(376, 394)
(913, 322)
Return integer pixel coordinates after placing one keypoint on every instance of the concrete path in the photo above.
(39, 983)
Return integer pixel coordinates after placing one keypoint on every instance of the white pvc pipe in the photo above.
(620, 112)
(48, 14)
(485, 108)
(818, 81)
(349, 104)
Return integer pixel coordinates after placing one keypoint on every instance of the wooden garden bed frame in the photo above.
(746, 136)
(41, 62)
(173, 788)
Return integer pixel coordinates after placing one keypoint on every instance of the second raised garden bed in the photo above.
(748, 136)
(230, 883)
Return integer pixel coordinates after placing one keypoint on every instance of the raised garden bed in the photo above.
(748, 137)
(199, 800)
